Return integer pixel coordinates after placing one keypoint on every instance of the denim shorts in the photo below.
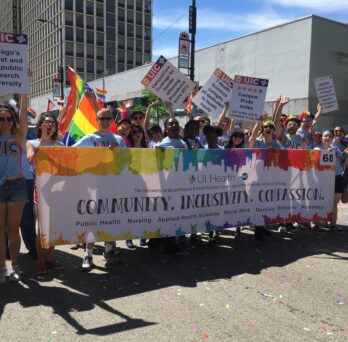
(14, 190)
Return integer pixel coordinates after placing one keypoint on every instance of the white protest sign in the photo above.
(248, 98)
(168, 83)
(14, 63)
(326, 93)
(215, 92)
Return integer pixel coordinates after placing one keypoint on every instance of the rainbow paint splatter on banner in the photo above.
(122, 194)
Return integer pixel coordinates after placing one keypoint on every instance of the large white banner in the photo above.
(127, 193)
(14, 63)
(168, 83)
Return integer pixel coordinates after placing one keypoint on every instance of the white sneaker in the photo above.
(87, 263)
(3, 274)
(15, 274)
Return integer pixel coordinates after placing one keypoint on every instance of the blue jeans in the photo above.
(28, 221)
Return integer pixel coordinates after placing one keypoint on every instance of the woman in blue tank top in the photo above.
(13, 192)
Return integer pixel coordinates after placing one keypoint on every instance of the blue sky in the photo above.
(221, 20)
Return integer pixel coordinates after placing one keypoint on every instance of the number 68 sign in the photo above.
(327, 157)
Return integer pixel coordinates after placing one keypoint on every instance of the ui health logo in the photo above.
(203, 179)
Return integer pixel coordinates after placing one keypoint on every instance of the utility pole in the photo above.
(192, 30)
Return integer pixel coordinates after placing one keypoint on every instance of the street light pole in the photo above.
(192, 30)
(61, 67)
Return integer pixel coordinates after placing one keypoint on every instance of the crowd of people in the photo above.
(18, 195)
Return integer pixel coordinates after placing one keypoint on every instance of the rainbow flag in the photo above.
(101, 94)
(190, 107)
(123, 111)
(31, 112)
(83, 122)
(78, 87)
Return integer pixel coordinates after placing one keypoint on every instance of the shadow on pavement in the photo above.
(142, 270)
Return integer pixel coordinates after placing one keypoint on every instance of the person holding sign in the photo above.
(13, 189)
(341, 161)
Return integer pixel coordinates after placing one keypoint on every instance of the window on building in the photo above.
(120, 56)
(147, 33)
(110, 33)
(139, 18)
(99, 10)
(100, 68)
(139, 32)
(130, 30)
(139, 5)
(138, 59)
(90, 7)
(90, 37)
(121, 29)
(100, 24)
(100, 39)
(89, 22)
(79, 20)
(100, 53)
(69, 33)
(90, 52)
(90, 77)
(79, 35)
(121, 3)
(130, 66)
(121, 43)
(147, 20)
(110, 47)
(130, 4)
(120, 67)
(69, 5)
(130, 17)
(69, 19)
(139, 45)
(147, 58)
(80, 66)
(130, 44)
(79, 6)
(110, 19)
(147, 48)
(90, 66)
(130, 58)
(110, 6)
(120, 14)
(80, 50)
(148, 6)
(69, 49)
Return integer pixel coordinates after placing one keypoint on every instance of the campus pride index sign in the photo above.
(14, 63)
(122, 194)
(168, 83)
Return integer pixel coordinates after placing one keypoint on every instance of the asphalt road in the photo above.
(289, 287)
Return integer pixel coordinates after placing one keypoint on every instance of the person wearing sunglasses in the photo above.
(101, 138)
(267, 136)
(13, 188)
(47, 135)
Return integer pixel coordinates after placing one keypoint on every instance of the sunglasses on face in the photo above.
(240, 136)
(49, 122)
(138, 118)
(338, 131)
(268, 126)
(125, 127)
(8, 119)
(247, 133)
(105, 119)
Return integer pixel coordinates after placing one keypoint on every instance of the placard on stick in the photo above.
(14, 63)
(168, 83)
(248, 98)
(215, 92)
(326, 94)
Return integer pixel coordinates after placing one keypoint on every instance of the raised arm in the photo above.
(277, 122)
(276, 105)
(223, 114)
(170, 109)
(148, 114)
(23, 119)
(254, 134)
(317, 115)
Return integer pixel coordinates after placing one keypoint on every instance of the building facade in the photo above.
(99, 37)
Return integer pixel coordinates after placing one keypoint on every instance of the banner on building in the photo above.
(248, 98)
(168, 83)
(14, 64)
(122, 194)
(326, 93)
(215, 92)
(184, 50)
